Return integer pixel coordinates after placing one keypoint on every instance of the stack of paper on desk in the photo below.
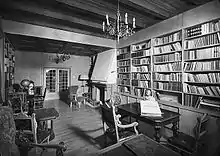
(150, 108)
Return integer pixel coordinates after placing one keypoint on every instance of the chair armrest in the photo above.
(133, 124)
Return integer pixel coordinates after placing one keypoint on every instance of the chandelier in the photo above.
(61, 57)
(118, 29)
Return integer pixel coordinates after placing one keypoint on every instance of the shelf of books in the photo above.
(124, 70)
(9, 65)
(141, 67)
(202, 66)
(167, 65)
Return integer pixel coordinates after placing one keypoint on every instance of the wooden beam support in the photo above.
(36, 9)
(18, 28)
(101, 8)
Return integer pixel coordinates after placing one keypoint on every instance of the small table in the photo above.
(139, 145)
(46, 114)
(168, 117)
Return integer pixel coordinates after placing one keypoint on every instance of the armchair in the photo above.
(113, 127)
(39, 100)
(188, 145)
(75, 96)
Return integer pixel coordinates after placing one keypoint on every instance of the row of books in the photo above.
(141, 53)
(123, 50)
(204, 65)
(124, 76)
(168, 77)
(202, 90)
(169, 57)
(123, 82)
(204, 78)
(140, 76)
(140, 69)
(203, 29)
(141, 46)
(174, 86)
(203, 41)
(124, 89)
(168, 48)
(176, 66)
(123, 56)
(123, 69)
(192, 100)
(138, 91)
(142, 61)
(202, 53)
(142, 84)
(168, 38)
(123, 63)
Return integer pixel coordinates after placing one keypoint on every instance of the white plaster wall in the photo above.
(31, 65)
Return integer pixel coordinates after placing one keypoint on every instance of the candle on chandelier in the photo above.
(134, 23)
(126, 18)
(107, 19)
(103, 26)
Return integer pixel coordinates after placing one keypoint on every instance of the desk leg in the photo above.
(174, 128)
(157, 135)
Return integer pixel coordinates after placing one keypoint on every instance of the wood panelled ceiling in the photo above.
(86, 17)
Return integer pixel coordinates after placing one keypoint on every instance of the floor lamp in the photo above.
(83, 78)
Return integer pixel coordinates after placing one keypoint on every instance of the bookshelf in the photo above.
(201, 81)
(140, 67)
(123, 70)
(183, 66)
(9, 65)
(167, 65)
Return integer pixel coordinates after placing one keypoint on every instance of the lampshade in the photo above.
(83, 77)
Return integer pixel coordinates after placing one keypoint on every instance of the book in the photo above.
(150, 108)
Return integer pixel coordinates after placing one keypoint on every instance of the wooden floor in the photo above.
(80, 129)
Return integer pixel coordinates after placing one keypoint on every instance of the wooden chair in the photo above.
(28, 125)
(75, 96)
(113, 127)
(17, 105)
(186, 144)
(39, 100)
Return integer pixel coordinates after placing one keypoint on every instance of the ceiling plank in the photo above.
(13, 27)
(150, 5)
(102, 9)
(140, 9)
(34, 8)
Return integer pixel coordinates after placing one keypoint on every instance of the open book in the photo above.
(150, 108)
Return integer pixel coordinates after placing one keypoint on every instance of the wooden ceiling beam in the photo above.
(154, 6)
(19, 28)
(34, 8)
(100, 8)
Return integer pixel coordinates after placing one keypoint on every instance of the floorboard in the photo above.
(79, 128)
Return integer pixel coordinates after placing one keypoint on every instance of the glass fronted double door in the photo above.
(56, 80)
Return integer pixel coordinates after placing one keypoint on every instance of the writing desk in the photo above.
(168, 117)
(139, 145)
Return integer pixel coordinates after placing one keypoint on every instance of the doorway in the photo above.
(56, 80)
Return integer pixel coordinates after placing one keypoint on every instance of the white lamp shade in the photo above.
(83, 77)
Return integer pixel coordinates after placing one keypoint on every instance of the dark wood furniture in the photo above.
(168, 117)
(139, 145)
(189, 145)
(44, 118)
(112, 126)
(39, 99)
